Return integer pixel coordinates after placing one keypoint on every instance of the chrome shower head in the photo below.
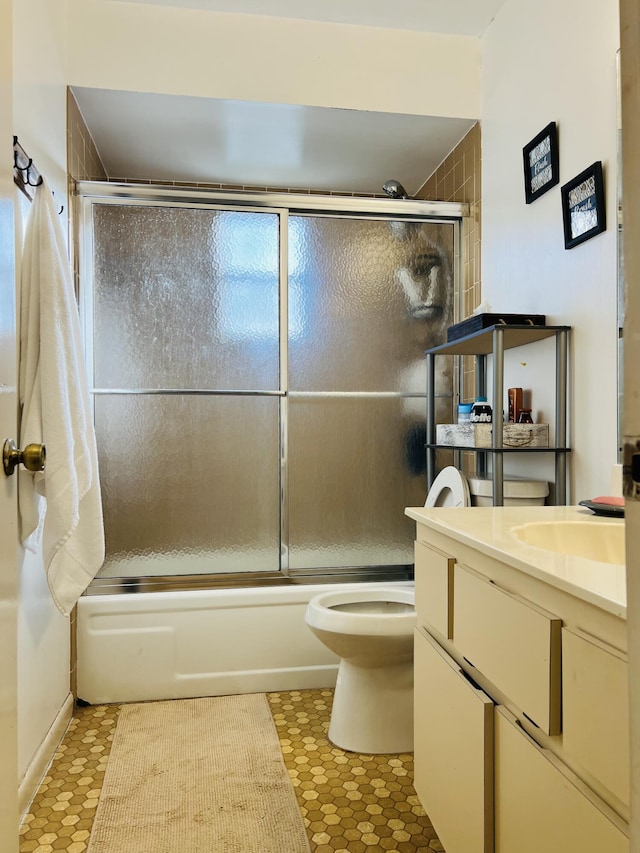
(394, 189)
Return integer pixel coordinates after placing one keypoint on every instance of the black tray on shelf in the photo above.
(483, 321)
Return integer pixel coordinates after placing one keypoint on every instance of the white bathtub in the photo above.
(179, 645)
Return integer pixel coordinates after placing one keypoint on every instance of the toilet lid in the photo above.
(450, 488)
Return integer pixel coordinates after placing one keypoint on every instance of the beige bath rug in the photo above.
(197, 776)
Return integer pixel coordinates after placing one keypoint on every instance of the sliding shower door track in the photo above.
(180, 583)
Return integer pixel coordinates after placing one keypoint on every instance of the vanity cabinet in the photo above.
(521, 726)
(453, 748)
(493, 341)
(434, 595)
(513, 643)
(541, 804)
(596, 709)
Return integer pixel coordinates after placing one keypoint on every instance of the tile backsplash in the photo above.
(83, 160)
(458, 178)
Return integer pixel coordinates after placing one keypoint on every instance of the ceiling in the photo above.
(457, 17)
(280, 146)
(283, 146)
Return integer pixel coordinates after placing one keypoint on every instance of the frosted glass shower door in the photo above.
(366, 298)
(259, 384)
(186, 355)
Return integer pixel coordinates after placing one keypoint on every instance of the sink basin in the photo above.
(592, 540)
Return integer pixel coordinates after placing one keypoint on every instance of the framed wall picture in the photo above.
(583, 209)
(541, 171)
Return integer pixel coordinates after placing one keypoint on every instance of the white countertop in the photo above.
(490, 530)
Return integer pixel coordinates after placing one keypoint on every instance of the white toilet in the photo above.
(371, 630)
(453, 488)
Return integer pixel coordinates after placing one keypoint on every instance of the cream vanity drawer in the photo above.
(595, 709)
(540, 805)
(453, 737)
(434, 589)
(514, 644)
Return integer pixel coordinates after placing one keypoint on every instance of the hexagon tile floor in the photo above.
(351, 803)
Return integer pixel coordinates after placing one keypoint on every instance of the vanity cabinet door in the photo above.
(541, 805)
(515, 644)
(453, 750)
(434, 589)
(595, 698)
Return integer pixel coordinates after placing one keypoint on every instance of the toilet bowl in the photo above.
(371, 630)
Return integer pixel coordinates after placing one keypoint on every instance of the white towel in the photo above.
(60, 507)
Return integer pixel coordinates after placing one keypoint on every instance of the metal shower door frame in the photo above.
(89, 193)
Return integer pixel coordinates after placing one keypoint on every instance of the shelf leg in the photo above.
(481, 391)
(498, 394)
(431, 420)
(481, 375)
(562, 339)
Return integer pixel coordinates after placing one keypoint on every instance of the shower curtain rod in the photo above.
(25, 174)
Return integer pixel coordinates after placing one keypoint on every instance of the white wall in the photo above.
(39, 120)
(555, 62)
(39, 64)
(148, 48)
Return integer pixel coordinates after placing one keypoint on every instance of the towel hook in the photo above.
(26, 175)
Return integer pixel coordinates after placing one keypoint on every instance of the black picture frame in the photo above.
(540, 161)
(583, 208)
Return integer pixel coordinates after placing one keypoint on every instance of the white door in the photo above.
(630, 89)
(8, 418)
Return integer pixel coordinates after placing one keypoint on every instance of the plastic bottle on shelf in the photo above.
(481, 412)
(464, 413)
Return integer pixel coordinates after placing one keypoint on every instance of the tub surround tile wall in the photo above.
(245, 188)
(458, 178)
(83, 164)
(83, 160)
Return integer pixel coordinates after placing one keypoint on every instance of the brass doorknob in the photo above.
(33, 457)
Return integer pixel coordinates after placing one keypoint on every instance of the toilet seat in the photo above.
(330, 611)
(450, 488)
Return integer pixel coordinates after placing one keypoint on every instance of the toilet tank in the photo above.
(516, 492)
